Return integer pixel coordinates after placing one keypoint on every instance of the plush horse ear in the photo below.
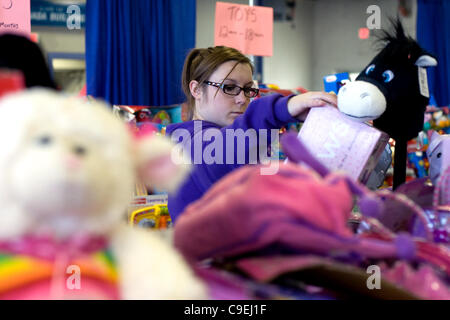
(426, 60)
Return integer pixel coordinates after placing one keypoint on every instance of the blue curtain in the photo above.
(433, 34)
(135, 49)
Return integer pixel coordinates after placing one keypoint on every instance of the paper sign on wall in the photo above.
(15, 16)
(246, 28)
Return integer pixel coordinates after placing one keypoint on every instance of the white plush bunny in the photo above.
(67, 173)
(434, 154)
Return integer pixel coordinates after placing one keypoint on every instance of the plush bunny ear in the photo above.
(434, 136)
(426, 60)
(159, 164)
(435, 140)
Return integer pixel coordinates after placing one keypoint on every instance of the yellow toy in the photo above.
(154, 217)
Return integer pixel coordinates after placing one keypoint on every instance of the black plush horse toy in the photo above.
(393, 91)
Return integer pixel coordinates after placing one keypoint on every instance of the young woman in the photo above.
(218, 84)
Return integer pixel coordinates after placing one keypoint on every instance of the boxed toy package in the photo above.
(346, 145)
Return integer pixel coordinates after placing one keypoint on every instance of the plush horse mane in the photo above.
(396, 42)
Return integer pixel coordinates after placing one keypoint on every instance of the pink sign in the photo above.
(15, 16)
(246, 28)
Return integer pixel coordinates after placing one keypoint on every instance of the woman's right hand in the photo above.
(298, 106)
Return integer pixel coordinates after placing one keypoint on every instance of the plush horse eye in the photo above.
(388, 75)
(439, 155)
(370, 69)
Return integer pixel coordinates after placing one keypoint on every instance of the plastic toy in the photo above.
(438, 148)
(334, 82)
(392, 87)
(154, 217)
(68, 173)
(420, 163)
(378, 175)
(11, 81)
(162, 117)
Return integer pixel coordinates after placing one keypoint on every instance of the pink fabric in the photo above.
(422, 282)
(46, 247)
(90, 290)
(248, 211)
(98, 283)
(144, 131)
(266, 269)
(295, 209)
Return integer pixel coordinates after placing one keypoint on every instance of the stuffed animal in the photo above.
(434, 154)
(68, 170)
(393, 90)
(438, 154)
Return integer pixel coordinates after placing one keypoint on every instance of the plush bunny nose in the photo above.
(73, 162)
(361, 100)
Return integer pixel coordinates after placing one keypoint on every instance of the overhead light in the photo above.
(364, 33)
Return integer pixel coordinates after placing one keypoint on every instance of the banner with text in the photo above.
(15, 17)
(246, 28)
(50, 14)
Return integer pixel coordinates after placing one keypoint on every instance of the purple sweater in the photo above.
(268, 112)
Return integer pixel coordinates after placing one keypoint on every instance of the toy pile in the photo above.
(285, 239)
(437, 121)
(299, 244)
(148, 209)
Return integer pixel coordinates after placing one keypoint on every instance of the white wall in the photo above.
(206, 10)
(60, 39)
(289, 67)
(336, 46)
(324, 39)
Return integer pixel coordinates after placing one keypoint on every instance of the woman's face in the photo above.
(218, 107)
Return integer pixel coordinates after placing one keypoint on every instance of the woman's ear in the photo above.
(195, 89)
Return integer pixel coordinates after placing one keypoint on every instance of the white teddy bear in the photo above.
(67, 173)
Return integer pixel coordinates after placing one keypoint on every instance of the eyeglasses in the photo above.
(234, 90)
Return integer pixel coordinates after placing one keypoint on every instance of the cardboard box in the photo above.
(342, 143)
(334, 82)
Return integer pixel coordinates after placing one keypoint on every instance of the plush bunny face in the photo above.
(66, 165)
(435, 155)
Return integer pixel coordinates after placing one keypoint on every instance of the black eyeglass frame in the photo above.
(222, 85)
